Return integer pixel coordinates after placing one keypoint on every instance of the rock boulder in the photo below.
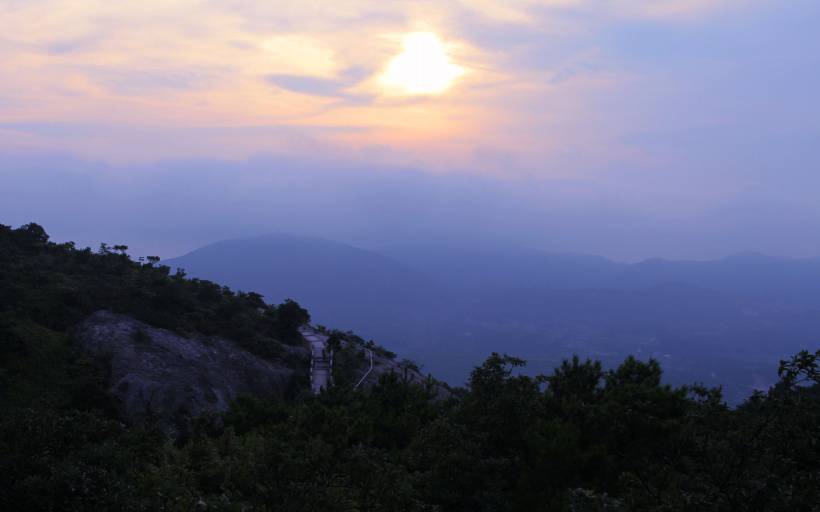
(158, 374)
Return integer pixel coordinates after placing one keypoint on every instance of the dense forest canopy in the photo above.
(580, 438)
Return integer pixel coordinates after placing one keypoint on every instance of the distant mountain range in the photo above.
(343, 286)
(796, 281)
(725, 322)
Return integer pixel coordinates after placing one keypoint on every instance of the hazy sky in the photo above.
(629, 128)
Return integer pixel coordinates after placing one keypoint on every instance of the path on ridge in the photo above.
(320, 359)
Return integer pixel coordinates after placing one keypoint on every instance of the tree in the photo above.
(291, 315)
(32, 234)
(575, 380)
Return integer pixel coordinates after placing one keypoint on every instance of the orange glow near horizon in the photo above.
(231, 79)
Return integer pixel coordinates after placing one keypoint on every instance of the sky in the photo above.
(630, 129)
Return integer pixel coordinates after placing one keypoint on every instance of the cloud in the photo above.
(67, 46)
(53, 130)
(562, 89)
(308, 84)
(146, 81)
(333, 87)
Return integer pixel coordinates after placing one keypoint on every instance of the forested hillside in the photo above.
(579, 438)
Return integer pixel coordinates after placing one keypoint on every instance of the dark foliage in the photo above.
(54, 286)
(579, 439)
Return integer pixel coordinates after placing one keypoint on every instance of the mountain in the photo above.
(723, 322)
(476, 266)
(341, 285)
(790, 281)
(785, 280)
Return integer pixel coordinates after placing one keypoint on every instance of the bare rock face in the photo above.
(158, 374)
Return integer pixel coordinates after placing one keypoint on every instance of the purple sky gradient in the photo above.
(683, 129)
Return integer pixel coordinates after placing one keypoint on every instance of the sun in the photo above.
(423, 67)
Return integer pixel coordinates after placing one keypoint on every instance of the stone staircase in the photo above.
(321, 360)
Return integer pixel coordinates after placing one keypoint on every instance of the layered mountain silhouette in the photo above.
(723, 321)
(796, 281)
(342, 286)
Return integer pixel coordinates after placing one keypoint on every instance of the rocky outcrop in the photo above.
(158, 374)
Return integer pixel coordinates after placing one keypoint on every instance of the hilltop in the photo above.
(63, 309)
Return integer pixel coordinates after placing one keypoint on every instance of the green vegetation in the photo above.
(579, 439)
(350, 355)
(47, 288)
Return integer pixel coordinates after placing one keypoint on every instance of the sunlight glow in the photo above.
(423, 67)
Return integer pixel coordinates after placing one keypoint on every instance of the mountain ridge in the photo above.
(447, 308)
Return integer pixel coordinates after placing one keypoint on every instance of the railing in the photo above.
(320, 362)
(367, 373)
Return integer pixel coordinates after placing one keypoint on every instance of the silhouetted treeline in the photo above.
(578, 439)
